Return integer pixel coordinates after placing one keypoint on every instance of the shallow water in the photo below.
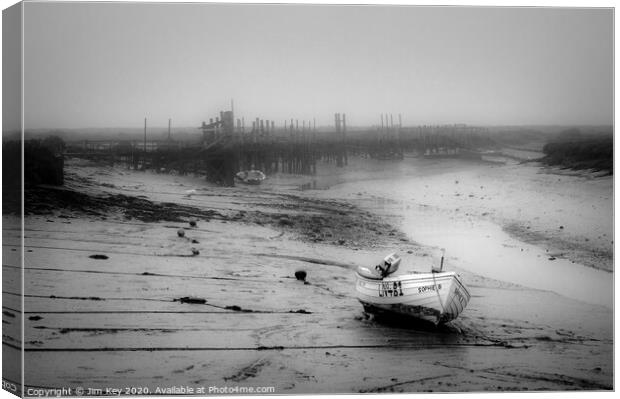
(484, 248)
(478, 244)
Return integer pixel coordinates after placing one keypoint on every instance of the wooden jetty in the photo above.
(226, 146)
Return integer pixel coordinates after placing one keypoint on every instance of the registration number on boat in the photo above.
(390, 288)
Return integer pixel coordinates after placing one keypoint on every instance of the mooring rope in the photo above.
(443, 309)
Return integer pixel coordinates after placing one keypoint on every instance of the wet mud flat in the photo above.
(115, 298)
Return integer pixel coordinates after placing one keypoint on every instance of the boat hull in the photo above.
(434, 297)
(253, 182)
(252, 177)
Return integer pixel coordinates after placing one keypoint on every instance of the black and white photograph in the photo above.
(226, 199)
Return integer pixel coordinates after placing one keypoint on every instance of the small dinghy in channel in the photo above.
(250, 176)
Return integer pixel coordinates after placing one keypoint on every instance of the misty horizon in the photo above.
(189, 133)
(325, 126)
(112, 64)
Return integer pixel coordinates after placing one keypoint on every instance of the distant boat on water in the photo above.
(250, 176)
(437, 297)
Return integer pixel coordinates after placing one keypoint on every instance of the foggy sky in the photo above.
(111, 65)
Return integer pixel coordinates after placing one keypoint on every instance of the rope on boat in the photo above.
(443, 309)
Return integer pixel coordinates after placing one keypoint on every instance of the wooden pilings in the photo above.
(227, 148)
(341, 129)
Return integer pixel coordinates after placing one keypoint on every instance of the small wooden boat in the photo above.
(438, 296)
(250, 176)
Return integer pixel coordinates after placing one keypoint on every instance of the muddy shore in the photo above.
(106, 269)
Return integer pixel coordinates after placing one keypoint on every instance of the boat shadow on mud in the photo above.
(405, 325)
(400, 331)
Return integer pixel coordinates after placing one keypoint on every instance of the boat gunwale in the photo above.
(431, 277)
